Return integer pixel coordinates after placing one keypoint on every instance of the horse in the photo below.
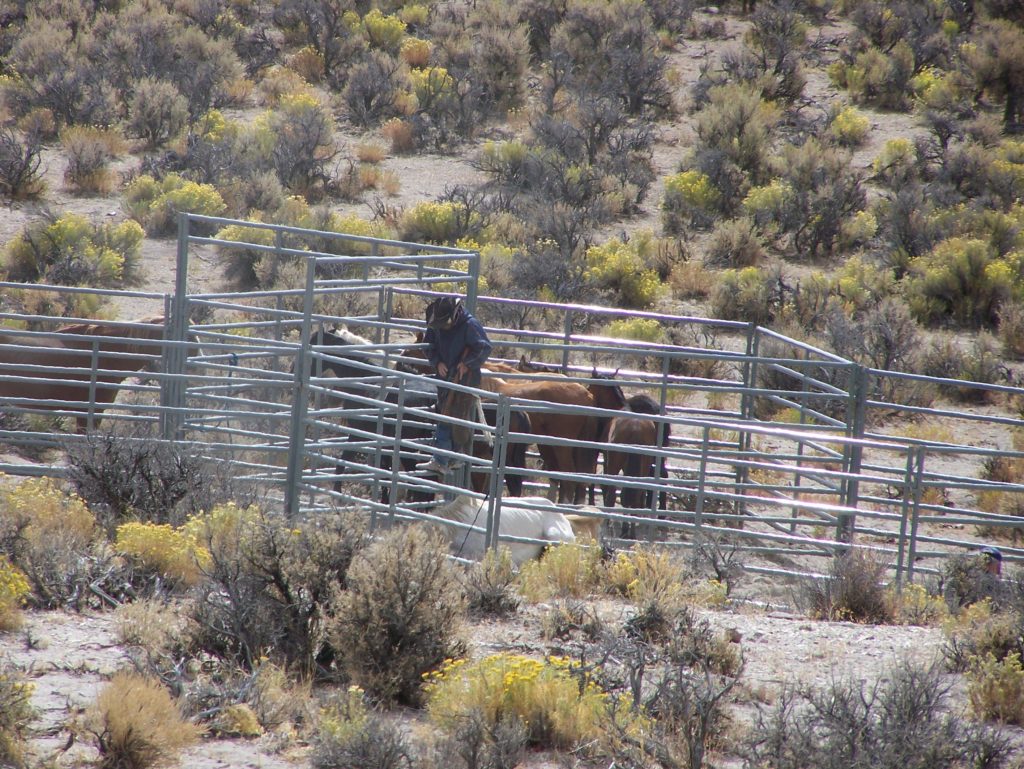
(635, 431)
(72, 374)
(418, 394)
(530, 518)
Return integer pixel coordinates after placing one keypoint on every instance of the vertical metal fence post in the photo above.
(745, 440)
(172, 388)
(473, 268)
(396, 452)
(499, 456)
(915, 509)
(853, 452)
(702, 469)
(904, 514)
(300, 396)
(567, 331)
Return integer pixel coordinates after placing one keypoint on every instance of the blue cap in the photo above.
(992, 552)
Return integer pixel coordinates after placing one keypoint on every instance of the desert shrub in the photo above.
(810, 202)
(1011, 330)
(53, 538)
(399, 617)
(14, 588)
(569, 570)
(158, 636)
(644, 575)
(351, 736)
(734, 244)
(739, 124)
(852, 592)
(374, 89)
(299, 139)
(173, 554)
(980, 362)
(383, 31)
(126, 477)
(157, 112)
(995, 689)
(848, 127)
(960, 280)
(559, 704)
(269, 584)
(995, 68)
(617, 266)
(136, 724)
(490, 584)
(880, 79)
(16, 714)
(54, 72)
(156, 204)
(691, 280)
(433, 222)
(400, 134)
(752, 294)
(69, 250)
(901, 723)
(89, 151)
(20, 160)
(863, 284)
(980, 631)
(640, 329)
(915, 605)
(415, 52)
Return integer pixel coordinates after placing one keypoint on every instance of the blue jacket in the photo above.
(448, 345)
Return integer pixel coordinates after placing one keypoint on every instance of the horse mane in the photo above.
(462, 509)
(347, 336)
(643, 404)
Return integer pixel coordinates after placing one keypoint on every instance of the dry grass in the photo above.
(136, 724)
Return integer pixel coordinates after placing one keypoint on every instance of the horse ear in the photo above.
(616, 373)
(593, 373)
(524, 364)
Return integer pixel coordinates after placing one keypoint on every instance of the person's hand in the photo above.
(461, 371)
(442, 370)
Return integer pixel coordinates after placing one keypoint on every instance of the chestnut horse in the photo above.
(635, 431)
(70, 372)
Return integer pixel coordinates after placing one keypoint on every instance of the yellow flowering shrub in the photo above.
(618, 265)
(16, 713)
(849, 127)
(173, 553)
(383, 31)
(431, 222)
(640, 329)
(225, 530)
(995, 689)
(560, 706)
(430, 85)
(566, 570)
(915, 606)
(13, 590)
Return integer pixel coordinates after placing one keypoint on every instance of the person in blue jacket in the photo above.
(457, 348)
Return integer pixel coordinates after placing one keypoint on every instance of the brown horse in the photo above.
(69, 371)
(639, 432)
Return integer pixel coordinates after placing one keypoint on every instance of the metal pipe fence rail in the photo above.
(784, 449)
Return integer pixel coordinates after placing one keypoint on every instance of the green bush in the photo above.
(70, 251)
(901, 723)
(433, 222)
(156, 204)
(399, 617)
(618, 267)
(848, 127)
(351, 736)
(752, 294)
(157, 112)
(853, 591)
(960, 282)
(20, 162)
(880, 79)
(640, 329)
(690, 200)
(740, 125)
(16, 714)
(384, 32)
(297, 138)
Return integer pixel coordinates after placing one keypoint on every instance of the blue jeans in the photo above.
(443, 440)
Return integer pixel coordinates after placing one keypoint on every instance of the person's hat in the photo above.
(441, 311)
(992, 552)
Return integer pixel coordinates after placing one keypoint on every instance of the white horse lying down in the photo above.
(532, 518)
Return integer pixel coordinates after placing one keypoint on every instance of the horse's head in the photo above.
(607, 395)
(416, 354)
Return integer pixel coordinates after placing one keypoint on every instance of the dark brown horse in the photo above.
(60, 374)
(638, 432)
